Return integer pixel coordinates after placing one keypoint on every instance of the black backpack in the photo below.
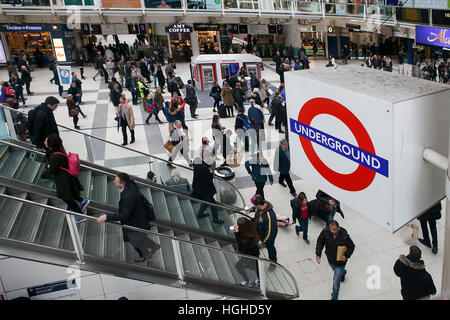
(148, 207)
(30, 122)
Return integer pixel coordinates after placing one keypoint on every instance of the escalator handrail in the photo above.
(149, 184)
(124, 226)
(129, 149)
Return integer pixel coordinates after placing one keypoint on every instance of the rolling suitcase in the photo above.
(179, 82)
(222, 111)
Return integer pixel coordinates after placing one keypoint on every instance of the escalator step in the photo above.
(160, 206)
(47, 232)
(113, 243)
(190, 264)
(11, 162)
(175, 213)
(167, 252)
(188, 213)
(28, 171)
(204, 223)
(99, 187)
(26, 221)
(8, 214)
(157, 260)
(231, 261)
(204, 261)
(147, 193)
(220, 264)
(85, 177)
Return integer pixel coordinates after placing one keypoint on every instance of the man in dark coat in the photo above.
(335, 239)
(327, 207)
(144, 69)
(44, 123)
(277, 60)
(191, 98)
(416, 282)
(26, 78)
(203, 189)
(132, 213)
(430, 216)
(238, 94)
(282, 163)
(173, 87)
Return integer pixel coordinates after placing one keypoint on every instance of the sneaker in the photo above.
(79, 219)
(246, 284)
(256, 283)
(426, 244)
(84, 204)
(132, 141)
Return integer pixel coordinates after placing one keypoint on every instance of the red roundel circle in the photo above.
(362, 177)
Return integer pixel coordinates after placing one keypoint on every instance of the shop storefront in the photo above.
(180, 41)
(208, 37)
(28, 39)
(41, 42)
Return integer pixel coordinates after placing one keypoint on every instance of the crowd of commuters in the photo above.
(227, 100)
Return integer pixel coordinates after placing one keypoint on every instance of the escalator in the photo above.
(36, 228)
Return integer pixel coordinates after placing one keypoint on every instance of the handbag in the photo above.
(168, 146)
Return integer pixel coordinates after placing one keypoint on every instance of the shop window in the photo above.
(79, 2)
(229, 69)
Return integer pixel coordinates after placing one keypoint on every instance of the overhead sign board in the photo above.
(432, 36)
(178, 28)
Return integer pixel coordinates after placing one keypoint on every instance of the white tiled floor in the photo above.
(374, 245)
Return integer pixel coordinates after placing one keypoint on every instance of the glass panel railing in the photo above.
(379, 12)
(354, 9)
(241, 4)
(190, 261)
(199, 5)
(163, 5)
(25, 3)
(79, 2)
(133, 159)
(307, 7)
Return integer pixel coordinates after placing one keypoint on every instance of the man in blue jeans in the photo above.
(332, 239)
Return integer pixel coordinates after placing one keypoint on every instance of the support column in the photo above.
(293, 35)
(194, 43)
(338, 40)
(445, 286)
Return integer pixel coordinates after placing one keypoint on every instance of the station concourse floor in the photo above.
(374, 245)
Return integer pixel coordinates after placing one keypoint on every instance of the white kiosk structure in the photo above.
(206, 68)
(359, 134)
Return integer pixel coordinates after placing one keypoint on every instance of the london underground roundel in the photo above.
(369, 164)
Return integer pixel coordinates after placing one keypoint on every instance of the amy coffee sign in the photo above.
(439, 37)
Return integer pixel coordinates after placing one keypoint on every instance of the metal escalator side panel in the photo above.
(157, 260)
(167, 252)
(85, 177)
(28, 169)
(50, 224)
(231, 260)
(99, 188)
(113, 242)
(160, 206)
(8, 214)
(11, 162)
(112, 193)
(189, 215)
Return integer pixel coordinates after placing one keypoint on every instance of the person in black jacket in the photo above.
(327, 207)
(282, 163)
(215, 94)
(132, 213)
(144, 69)
(191, 98)
(115, 92)
(68, 186)
(17, 84)
(333, 239)
(26, 78)
(430, 216)
(275, 111)
(241, 127)
(172, 86)
(248, 241)
(416, 282)
(204, 189)
(301, 211)
(265, 221)
(44, 123)
(238, 96)
(81, 65)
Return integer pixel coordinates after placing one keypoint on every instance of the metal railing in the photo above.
(87, 152)
(281, 282)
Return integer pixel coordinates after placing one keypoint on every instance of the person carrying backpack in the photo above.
(41, 121)
(64, 168)
(134, 211)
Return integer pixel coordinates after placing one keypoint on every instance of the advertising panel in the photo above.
(121, 3)
(167, 4)
(432, 36)
(62, 290)
(60, 52)
(2, 53)
(65, 75)
(204, 4)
